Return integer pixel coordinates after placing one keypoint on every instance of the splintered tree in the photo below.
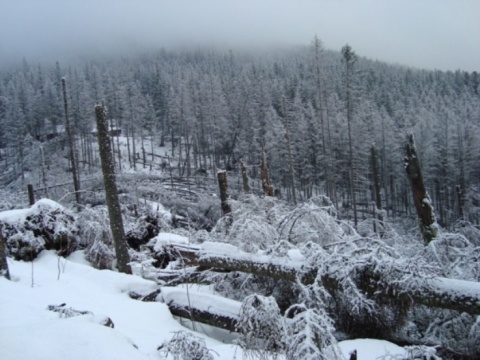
(223, 185)
(423, 204)
(111, 192)
(3, 257)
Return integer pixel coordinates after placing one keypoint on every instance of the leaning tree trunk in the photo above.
(111, 192)
(3, 257)
(423, 204)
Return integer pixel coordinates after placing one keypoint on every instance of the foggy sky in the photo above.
(430, 34)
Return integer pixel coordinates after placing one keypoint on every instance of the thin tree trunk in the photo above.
(111, 193)
(246, 186)
(76, 182)
(376, 185)
(290, 159)
(266, 186)
(428, 224)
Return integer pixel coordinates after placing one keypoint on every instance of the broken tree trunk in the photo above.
(246, 186)
(459, 295)
(111, 192)
(266, 185)
(223, 185)
(3, 257)
(423, 204)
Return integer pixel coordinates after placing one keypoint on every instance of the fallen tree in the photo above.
(439, 292)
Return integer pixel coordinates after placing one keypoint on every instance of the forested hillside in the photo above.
(273, 180)
(315, 113)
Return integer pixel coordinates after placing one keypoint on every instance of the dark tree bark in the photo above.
(111, 192)
(223, 185)
(246, 186)
(31, 194)
(73, 160)
(3, 257)
(428, 224)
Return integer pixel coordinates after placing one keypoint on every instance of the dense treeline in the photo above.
(316, 113)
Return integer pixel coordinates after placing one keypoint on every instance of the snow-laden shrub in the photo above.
(313, 221)
(185, 345)
(260, 327)
(46, 224)
(251, 225)
(96, 237)
(24, 245)
(455, 255)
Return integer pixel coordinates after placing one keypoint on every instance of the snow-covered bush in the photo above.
(314, 221)
(185, 345)
(46, 224)
(96, 237)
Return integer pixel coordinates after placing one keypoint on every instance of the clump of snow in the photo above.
(164, 239)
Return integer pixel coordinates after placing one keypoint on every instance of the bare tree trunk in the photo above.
(266, 186)
(428, 224)
(290, 159)
(222, 183)
(376, 184)
(3, 257)
(76, 182)
(246, 186)
(111, 193)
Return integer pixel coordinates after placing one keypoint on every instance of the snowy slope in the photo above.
(29, 331)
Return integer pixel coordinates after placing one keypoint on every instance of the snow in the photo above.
(19, 215)
(29, 331)
(371, 349)
(163, 239)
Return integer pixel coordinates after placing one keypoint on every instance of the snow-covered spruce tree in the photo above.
(111, 193)
(260, 327)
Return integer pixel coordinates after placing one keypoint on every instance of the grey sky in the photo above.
(432, 34)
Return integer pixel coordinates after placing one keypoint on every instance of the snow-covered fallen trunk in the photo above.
(459, 295)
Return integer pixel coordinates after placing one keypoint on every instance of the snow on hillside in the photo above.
(29, 331)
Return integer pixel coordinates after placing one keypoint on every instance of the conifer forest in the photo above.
(334, 196)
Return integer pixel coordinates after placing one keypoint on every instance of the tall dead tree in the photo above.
(350, 58)
(246, 186)
(111, 192)
(3, 257)
(266, 185)
(71, 146)
(289, 153)
(423, 204)
(223, 185)
(376, 184)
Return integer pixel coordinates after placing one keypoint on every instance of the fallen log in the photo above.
(452, 294)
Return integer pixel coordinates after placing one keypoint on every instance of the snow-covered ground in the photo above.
(29, 331)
